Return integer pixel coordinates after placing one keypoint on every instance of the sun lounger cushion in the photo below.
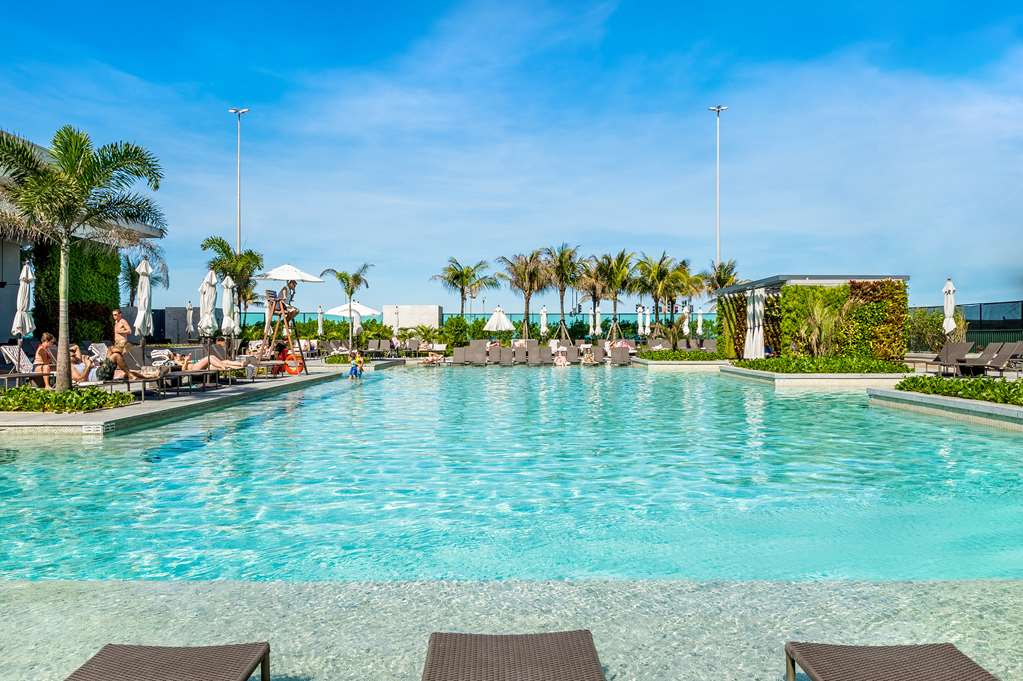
(559, 656)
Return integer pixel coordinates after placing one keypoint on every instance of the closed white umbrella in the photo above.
(319, 320)
(356, 323)
(207, 305)
(759, 299)
(646, 322)
(949, 324)
(144, 299)
(596, 324)
(229, 326)
(699, 322)
(499, 321)
(543, 321)
(189, 320)
(747, 347)
(639, 320)
(23, 322)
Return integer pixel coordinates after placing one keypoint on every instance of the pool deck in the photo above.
(376, 631)
(154, 412)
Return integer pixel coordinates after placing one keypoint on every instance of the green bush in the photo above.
(31, 398)
(824, 365)
(980, 388)
(336, 359)
(678, 355)
(925, 331)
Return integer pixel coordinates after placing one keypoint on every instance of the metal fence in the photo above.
(1006, 316)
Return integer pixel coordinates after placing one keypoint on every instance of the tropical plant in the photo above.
(468, 280)
(31, 398)
(617, 270)
(683, 284)
(129, 278)
(824, 365)
(426, 334)
(821, 331)
(653, 278)
(721, 275)
(528, 274)
(925, 331)
(563, 263)
(679, 355)
(241, 267)
(590, 282)
(350, 282)
(74, 191)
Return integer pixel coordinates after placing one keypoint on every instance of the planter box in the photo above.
(683, 366)
(956, 408)
(815, 381)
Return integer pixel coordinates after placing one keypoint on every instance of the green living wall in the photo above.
(93, 290)
(730, 325)
(875, 328)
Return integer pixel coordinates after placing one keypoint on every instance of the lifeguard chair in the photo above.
(279, 325)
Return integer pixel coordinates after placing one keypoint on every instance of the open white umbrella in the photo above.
(319, 320)
(189, 320)
(229, 326)
(543, 321)
(144, 300)
(356, 308)
(207, 305)
(288, 273)
(699, 322)
(949, 324)
(23, 322)
(499, 321)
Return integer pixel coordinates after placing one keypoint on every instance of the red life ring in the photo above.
(293, 364)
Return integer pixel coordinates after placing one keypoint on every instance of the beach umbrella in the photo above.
(498, 321)
(144, 299)
(949, 324)
(543, 321)
(23, 323)
(207, 305)
(229, 326)
(189, 320)
(639, 320)
(319, 320)
(288, 273)
(699, 322)
(356, 308)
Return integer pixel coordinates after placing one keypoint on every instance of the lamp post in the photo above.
(717, 181)
(238, 224)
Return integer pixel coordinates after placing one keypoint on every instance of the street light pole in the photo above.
(238, 224)
(717, 181)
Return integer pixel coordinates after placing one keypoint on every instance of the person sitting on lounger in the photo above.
(588, 357)
(434, 358)
(561, 360)
(83, 369)
(212, 361)
(44, 360)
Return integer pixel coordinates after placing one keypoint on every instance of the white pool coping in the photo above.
(682, 366)
(956, 408)
(815, 381)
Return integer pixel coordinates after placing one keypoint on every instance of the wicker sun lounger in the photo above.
(458, 355)
(520, 354)
(507, 357)
(234, 662)
(928, 662)
(572, 354)
(533, 355)
(546, 356)
(620, 357)
(559, 656)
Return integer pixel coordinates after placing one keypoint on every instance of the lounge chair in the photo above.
(620, 357)
(986, 355)
(22, 368)
(598, 352)
(235, 662)
(413, 346)
(520, 354)
(949, 355)
(572, 354)
(494, 354)
(999, 362)
(533, 354)
(558, 656)
(478, 355)
(546, 356)
(507, 357)
(458, 355)
(927, 662)
(710, 345)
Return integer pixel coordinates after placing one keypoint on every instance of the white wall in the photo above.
(407, 316)
(10, 269)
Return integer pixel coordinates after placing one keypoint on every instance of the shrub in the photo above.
(925, 331)
(31, 398)
(336, 359)
(678, 355)
(979, 388)
(824, 365)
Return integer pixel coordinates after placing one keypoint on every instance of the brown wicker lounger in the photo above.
(559, 656)
(234, 662)
(929, 662)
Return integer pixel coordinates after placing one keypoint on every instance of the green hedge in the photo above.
(987, 389)
(93, 290)
(678, 355)
(31, 398)
(824, 365)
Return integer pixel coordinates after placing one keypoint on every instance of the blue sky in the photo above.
(880, 138)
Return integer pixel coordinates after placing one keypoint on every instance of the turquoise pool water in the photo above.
(516, 473)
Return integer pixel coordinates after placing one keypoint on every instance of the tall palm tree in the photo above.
(591, 282)
(617, 270)
(241, 267)
(654, 278)
(721, 275)
(528, 274)
(468, 280)
(129, 278)
(684, 285)
(351, 282)
(563, 263)
(73, 191)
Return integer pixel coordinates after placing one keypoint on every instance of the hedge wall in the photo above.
(877, 325)
(93, 290)
(730, 325)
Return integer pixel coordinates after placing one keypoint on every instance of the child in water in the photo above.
(357, 365)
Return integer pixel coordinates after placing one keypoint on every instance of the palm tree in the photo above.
(351, 282)
(468, 280)
(73, 191)
(241, 267)
(591, 282)
(721, 275)
(685, 285)
(563, 263)
(655, 279)
(129, 278)
(528, 274)
(617, 271)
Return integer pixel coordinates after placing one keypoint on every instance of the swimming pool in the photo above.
(521, 473)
